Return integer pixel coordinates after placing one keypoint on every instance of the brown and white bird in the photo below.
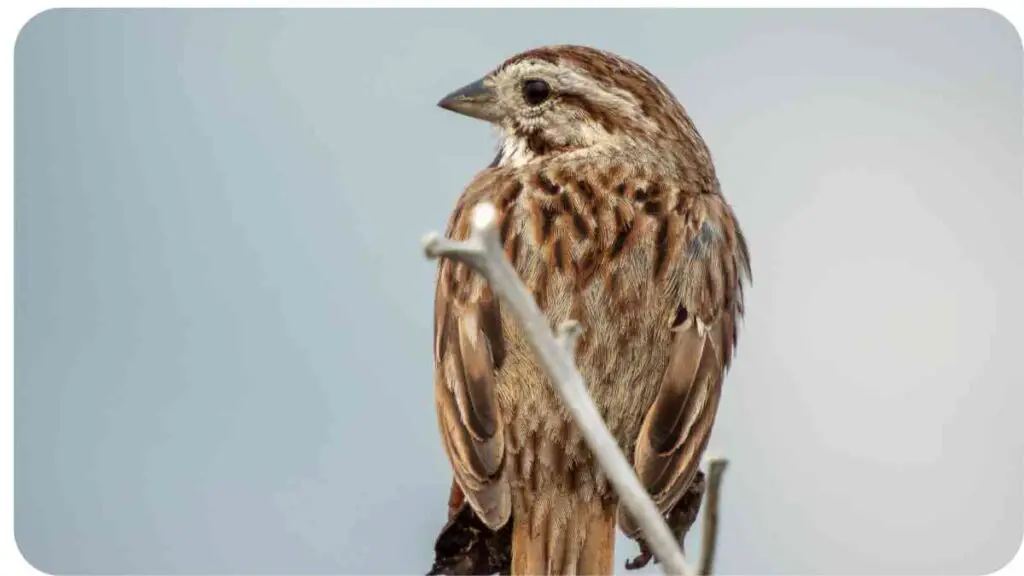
(611, 213)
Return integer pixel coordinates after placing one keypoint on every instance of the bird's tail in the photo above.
(572, 537)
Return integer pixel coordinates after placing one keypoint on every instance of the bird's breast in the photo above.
(591, 264)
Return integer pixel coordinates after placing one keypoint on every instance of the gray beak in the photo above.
(476, 100)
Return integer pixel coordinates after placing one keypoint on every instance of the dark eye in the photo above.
(536, 91)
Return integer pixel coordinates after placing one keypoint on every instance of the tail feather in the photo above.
(573, 538)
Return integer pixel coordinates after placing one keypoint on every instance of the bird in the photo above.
(610, 210)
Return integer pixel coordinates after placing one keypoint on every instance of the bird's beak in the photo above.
(476, 100)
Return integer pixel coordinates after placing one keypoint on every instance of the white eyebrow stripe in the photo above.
(612, 97)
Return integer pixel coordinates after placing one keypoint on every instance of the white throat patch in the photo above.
(514, 152)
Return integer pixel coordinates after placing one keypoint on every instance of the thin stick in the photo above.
(709, 537)
(483, 252)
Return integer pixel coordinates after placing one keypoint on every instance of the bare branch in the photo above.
(709, 536)
(469, 252)
(555, 354)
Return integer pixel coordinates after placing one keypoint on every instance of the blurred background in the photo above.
(223, 313)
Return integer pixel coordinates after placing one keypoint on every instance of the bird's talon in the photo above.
(641, 559)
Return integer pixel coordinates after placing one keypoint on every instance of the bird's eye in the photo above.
(536, 91)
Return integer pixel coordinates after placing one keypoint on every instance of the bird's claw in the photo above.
(645, 556)
(641, 559)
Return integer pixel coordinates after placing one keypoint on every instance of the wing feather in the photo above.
(677, 426)
(469, 349)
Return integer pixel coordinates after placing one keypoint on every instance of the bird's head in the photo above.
(571, 97)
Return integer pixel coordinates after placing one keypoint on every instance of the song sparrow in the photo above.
(611, 212)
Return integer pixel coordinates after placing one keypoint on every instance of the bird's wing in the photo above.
(469, 348)
(711, 268)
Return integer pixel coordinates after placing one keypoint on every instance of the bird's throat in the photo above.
(515, 151)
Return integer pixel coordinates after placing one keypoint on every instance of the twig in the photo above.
(709, 537)
(483, 252)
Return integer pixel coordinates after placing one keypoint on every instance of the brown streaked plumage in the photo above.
(611, 213)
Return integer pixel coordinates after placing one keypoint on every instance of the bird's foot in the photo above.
(680, 519)
(642, 559)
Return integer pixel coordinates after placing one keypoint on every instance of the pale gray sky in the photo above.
(223, 315)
